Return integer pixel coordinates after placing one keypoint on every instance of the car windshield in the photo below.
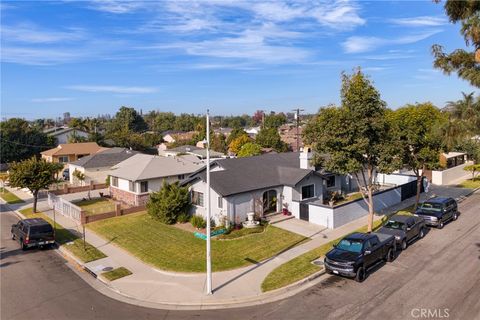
(350, 245)
(394, 225)
(429, 206)
(41, 229)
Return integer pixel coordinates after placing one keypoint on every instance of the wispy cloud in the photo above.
(112, 89)
(422, 21)
(360, 44)
(52, 99)
(30, 33)
(116, 6)
(39, 56)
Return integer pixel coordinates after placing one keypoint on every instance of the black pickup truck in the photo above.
(436, 211)
(32, 233)
(355, 254)
(404, 229)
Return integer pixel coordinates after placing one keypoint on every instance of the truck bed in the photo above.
(384, 238)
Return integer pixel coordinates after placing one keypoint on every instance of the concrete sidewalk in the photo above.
(231, 288)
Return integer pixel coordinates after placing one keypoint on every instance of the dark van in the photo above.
(33, 233)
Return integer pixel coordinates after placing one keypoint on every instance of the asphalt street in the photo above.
(437, 277)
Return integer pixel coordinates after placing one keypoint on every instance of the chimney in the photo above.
(306, 157)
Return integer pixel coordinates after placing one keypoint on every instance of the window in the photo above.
(63, 159)
(131, 186)
(308, 191)
(197, 198)
(331, 182)
(114, 181)
(144, 186)
(181, 176)
(220, 202)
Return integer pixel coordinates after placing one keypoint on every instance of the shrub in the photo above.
(198, 222)
(168, 203)
(183, 217)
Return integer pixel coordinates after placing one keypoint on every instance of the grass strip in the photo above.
(116, 273)
(9, 197)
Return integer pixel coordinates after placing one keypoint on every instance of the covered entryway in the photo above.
(270, 201)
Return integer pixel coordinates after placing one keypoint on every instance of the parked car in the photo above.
(404, 229)
(355, 254)
(66, 174)
(32, 233)
(436, 211)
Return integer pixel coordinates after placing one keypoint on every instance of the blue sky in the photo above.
(233, 56)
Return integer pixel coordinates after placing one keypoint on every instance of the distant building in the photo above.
(175, 136)
(288, 134)
(200, 153)
(66, 118)
(63, 133)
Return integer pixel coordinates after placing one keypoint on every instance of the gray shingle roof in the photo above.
(144, 167)
(201, 152)
(252, 173)
(103, 159)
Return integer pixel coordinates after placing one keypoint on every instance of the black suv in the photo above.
(32, 233)
(437, 211)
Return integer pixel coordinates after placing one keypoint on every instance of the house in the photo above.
(225, 131)
(253, 131)
(451, 171)
(175, 136)
(288, 134)
(133, 179)
(96, 166)
(200, 153)
(64, 134)
(69, 152)
(262, 184)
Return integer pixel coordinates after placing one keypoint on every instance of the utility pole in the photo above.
(297, 117)
(209, 257)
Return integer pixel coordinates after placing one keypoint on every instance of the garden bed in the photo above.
(96, 206)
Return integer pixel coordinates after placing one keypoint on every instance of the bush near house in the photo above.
(167, 204)
(198, 222)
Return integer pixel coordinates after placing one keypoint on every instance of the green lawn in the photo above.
(9, 197)
(470, 183)
(351, 197)
(116, 273)
(96, 206)
(68, 240)
(169, 248)
(234, 234)
(301, 266)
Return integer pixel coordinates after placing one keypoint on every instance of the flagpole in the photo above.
(209, 258)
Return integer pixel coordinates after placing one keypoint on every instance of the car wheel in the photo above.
(404, 244)
(440, 225)
(360, 274)
(390, 255)
(421, 234)
(455, 216)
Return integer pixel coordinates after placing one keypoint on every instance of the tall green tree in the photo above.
(415, 128)
(19, 140)
(275, 120)
(35, 175)
(356, 136)
(250, 149)
(465, 63)
(168, 203)
(236, 132)
(218, 143)
(270, 138)
(127, 119)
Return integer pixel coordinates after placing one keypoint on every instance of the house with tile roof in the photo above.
(96, 167)
(69, 152)
(132, 180)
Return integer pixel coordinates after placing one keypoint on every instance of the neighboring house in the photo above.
(63, 134)
(288, 134)
(253, 131)
(175, 136)
(452, 164)
(261, 184)
(69, 152)
(200, 153)
(96, 167)
(132, 180)
(225, 131)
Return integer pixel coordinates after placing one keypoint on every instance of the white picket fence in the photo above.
(64, 207)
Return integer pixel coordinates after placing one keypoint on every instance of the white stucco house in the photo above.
(63, 134)
(132, 180)
(262, 184)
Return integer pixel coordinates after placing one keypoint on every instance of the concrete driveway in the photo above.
(304, 228)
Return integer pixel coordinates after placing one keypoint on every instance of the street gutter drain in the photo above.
(107, 269)
(318, 262)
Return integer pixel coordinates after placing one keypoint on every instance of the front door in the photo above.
(304, 215)
(270, 201)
